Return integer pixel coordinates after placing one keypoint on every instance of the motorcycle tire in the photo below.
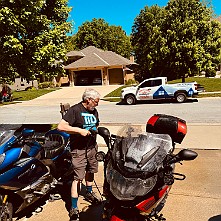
(6, 212)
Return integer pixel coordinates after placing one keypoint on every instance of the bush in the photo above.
(31, 88)
(46, 84)
(131, 82)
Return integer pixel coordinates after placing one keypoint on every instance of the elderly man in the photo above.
(80, 120)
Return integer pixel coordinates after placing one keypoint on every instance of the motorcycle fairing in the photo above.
(146, 205)
(32, 149)
(136, 158)
(24, 172)
(9, 157)
(115, 218)
(141, 152)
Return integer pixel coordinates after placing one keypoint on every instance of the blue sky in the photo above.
(115, 12)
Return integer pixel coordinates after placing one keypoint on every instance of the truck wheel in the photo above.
(180, 97)
(130, 99)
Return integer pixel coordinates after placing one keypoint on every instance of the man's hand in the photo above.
(85, 132)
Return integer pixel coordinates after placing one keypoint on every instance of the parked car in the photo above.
(83, 81)
(96, 80)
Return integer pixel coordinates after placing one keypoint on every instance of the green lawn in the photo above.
(29, 95)
(210, 84)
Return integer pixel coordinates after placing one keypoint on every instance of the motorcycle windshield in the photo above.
(7, 131)
(141, 151)
(5, 136)
(136, 158)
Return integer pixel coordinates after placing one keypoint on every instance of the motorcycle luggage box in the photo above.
(167, 124)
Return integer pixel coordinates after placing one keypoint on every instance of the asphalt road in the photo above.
(202, 111)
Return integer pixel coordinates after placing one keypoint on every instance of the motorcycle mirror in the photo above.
(184, 155)
(100, 155)
(187, 154)
(105, 133)
(27, 132)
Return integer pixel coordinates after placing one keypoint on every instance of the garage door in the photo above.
(88, 77)
(116, 76)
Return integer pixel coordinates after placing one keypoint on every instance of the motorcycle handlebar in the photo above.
(93, 132)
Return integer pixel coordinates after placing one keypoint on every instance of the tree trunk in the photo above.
(183, 78)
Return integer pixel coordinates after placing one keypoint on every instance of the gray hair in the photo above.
(90, 93)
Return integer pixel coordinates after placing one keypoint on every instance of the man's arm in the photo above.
(65, 126)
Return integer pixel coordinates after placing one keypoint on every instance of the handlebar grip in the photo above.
(93, 132)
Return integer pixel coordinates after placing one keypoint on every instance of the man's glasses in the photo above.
(96, 102)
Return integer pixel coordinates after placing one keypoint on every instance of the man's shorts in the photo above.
(83, 161)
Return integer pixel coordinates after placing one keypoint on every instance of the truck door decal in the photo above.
(190, 92)
(160, 93)
(143, 93)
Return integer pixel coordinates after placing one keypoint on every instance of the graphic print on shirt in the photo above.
(90, 121)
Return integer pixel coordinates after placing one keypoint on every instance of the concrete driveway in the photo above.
(70, 95)
(197, 198)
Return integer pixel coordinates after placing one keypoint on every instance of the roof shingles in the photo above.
(95, 57)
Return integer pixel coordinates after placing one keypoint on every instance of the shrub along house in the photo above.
(95, 66)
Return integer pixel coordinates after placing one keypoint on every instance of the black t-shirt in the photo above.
(79, 116)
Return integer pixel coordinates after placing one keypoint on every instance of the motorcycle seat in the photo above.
(54, 146)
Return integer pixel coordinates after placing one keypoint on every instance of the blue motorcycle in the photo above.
(31, 167)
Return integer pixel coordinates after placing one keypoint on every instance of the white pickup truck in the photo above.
(157, 88)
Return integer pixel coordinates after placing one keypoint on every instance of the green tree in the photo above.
(100, 34)
(190, 41)
(32, 36)
(148, 42)
(70, 44)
